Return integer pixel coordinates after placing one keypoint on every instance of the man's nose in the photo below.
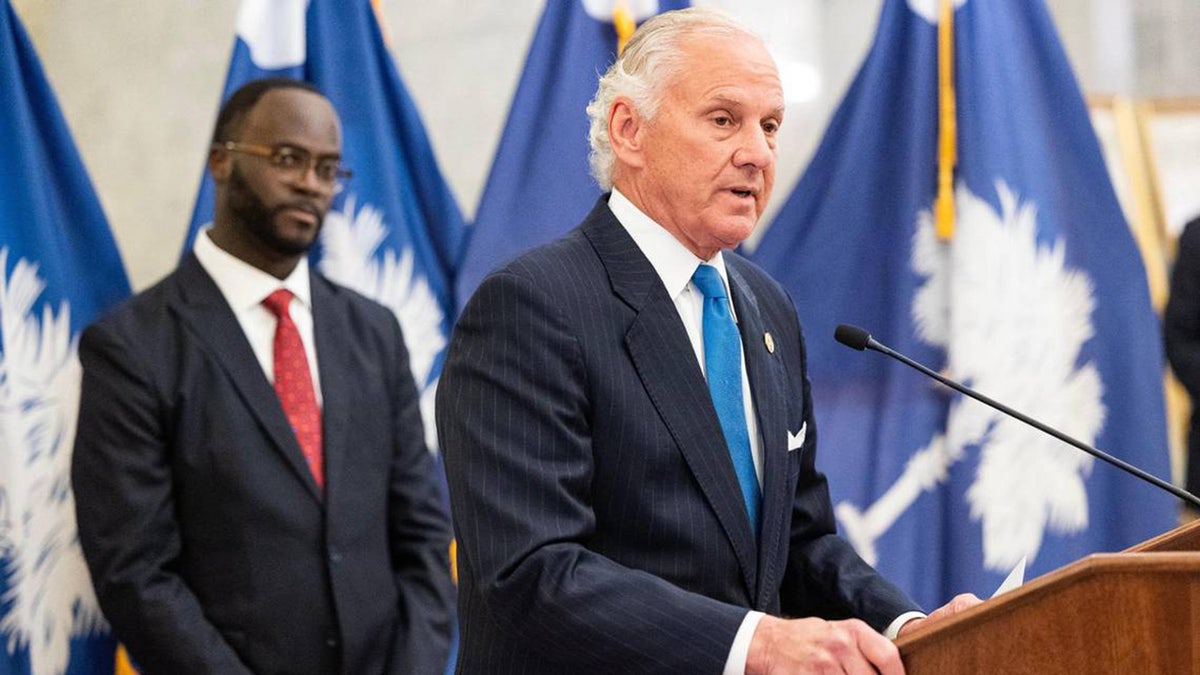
(755, 150)
(307, 179)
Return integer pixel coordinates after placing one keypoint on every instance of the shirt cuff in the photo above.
(893, 629)
(736, 663)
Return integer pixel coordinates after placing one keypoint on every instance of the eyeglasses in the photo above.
(295, 162)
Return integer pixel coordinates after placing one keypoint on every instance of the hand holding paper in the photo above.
(968, 600)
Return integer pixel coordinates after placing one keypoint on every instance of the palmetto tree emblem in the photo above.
(1012, 318)
(49, 597)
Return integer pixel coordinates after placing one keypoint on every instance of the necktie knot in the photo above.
(277, 302)
(708, 281)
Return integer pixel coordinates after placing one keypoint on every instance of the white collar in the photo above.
(668, 256)
(244, 285)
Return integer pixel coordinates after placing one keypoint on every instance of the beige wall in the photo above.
(139, 82)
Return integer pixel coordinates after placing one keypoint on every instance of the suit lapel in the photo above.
(209, 317)
(765, 372)
(665, 362)
(329, 333)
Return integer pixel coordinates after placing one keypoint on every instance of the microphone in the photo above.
(860, 339)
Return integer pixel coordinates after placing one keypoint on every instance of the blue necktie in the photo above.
(723, 364)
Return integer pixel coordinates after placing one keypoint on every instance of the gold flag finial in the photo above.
(624, 24)
(943, 207)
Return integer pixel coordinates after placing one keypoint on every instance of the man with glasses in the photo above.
(253, 489)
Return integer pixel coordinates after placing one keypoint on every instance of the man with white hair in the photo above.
(625, 416)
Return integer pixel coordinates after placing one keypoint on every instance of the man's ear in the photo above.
(625, 132)
(220, 163)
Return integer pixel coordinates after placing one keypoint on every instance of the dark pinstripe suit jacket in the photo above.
(600, 524)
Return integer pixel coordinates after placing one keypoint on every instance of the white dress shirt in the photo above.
(245, 287)
(675, 265)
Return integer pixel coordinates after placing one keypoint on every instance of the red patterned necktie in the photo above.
(293, 384)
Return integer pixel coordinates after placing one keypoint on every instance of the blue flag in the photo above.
(539, 186)
(395, 233)
(59, 268)
(1039, 300)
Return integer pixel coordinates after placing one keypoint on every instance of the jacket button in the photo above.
(335, 557)
(331, 642)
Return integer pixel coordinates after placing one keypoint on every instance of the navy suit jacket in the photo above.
(600, 524)
(211, 548)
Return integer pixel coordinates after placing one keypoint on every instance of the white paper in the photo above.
(1015, 578)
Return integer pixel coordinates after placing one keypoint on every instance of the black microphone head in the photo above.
(852, 336)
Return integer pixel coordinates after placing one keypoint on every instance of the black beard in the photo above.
(253, 216)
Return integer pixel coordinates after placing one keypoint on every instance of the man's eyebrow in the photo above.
(734, 102)
(296, 146)
(721, 99)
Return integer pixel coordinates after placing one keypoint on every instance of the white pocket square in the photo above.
(797, 439)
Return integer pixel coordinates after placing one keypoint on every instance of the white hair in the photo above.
(641, 73)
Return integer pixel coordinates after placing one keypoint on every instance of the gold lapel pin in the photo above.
(770, 341)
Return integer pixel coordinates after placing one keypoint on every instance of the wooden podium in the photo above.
(1135, 612)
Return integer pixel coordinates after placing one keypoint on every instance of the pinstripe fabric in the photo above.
(600, 521)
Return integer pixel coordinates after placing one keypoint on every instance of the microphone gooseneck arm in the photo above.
(857, 338)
